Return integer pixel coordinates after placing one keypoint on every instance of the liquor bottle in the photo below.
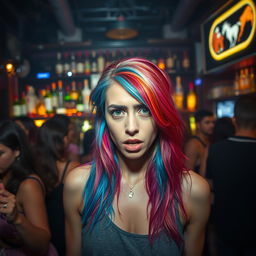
(73, 64)
(252, 80)
(86, 95)
(60, 95)
(48, 101)
(54, 97)
(87, 64)
(80, 64)
(178, 94)
(161, 63)
(80, 103)
(23, 104)
(66, 65)
(67, 101)
(191, 98)
(31, 100)
(185, 60)
(40, 107)
(236, 84)
(241, 81)
(100, 62)
(94, 65)
(73, 97)
(169, 62)
(246, 80)
(59, 68)
(107, 59)
(16, 108)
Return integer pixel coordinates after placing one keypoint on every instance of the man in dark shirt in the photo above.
(196, 146)
(231, 168)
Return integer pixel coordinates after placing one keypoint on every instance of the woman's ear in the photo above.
(17, 153)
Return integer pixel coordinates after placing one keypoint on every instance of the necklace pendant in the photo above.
(131, 194)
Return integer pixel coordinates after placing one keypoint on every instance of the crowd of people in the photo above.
(134, 190)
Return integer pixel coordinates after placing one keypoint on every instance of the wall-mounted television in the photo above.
(225, 108)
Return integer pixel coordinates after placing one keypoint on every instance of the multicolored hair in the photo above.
(152, 87)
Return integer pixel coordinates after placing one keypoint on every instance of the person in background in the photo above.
(136, 198)
(87, 144)
(23, 219)
(231, 170)
(29, 127)
(196, 146)
(224, 128)
(53, 162)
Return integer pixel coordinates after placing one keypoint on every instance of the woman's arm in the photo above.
(73, 190)
(32, 224)
(197, 202)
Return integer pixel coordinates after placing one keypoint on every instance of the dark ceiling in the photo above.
(38, 21)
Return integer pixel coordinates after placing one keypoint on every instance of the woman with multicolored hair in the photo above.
(136, 197)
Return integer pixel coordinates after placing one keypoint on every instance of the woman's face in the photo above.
(131, 126)
(7, 157)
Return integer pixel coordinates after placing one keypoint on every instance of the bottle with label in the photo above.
(60, 96)
(100, 62)
(73, 64)
(80, 64)
(66, 65)
(94, 64)
(54, 97)
(16, 107)
(169, 62)
(178, 94)
(191, 98)
(48, 101)
(40, 108)
(86, 95)
(67, 101)
(31, 100)
(87, 64)
(59, 67)
(185, 61)
(80, 103)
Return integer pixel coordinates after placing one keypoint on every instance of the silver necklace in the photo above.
(131, 193)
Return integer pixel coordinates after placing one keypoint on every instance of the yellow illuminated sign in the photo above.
(222, 30)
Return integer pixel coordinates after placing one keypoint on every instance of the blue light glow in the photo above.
(198, 81)
(44, 75)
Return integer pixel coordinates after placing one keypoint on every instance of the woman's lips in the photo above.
(133, 145)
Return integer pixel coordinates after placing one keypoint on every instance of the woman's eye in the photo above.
(144, 111)
(117, 113)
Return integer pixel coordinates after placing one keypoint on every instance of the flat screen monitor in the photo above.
(225, 108)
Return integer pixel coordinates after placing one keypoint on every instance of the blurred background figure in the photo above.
(224, 128)
(29, 127)
(196, 146)
(87, 143)
(23, 219)
(231, 168)
(52, 160)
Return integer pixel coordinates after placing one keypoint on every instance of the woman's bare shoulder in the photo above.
(76, 179)
(194, 185)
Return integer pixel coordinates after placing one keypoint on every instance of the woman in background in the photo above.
(136, 198)
(28, 126)
(23, 219)
(52, 161)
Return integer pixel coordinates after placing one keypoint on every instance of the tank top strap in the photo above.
(200, 140)
(64, 171)
(39, 181)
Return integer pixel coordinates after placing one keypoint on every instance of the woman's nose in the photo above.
(131, 125)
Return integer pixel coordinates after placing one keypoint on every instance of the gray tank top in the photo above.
(107, 239)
